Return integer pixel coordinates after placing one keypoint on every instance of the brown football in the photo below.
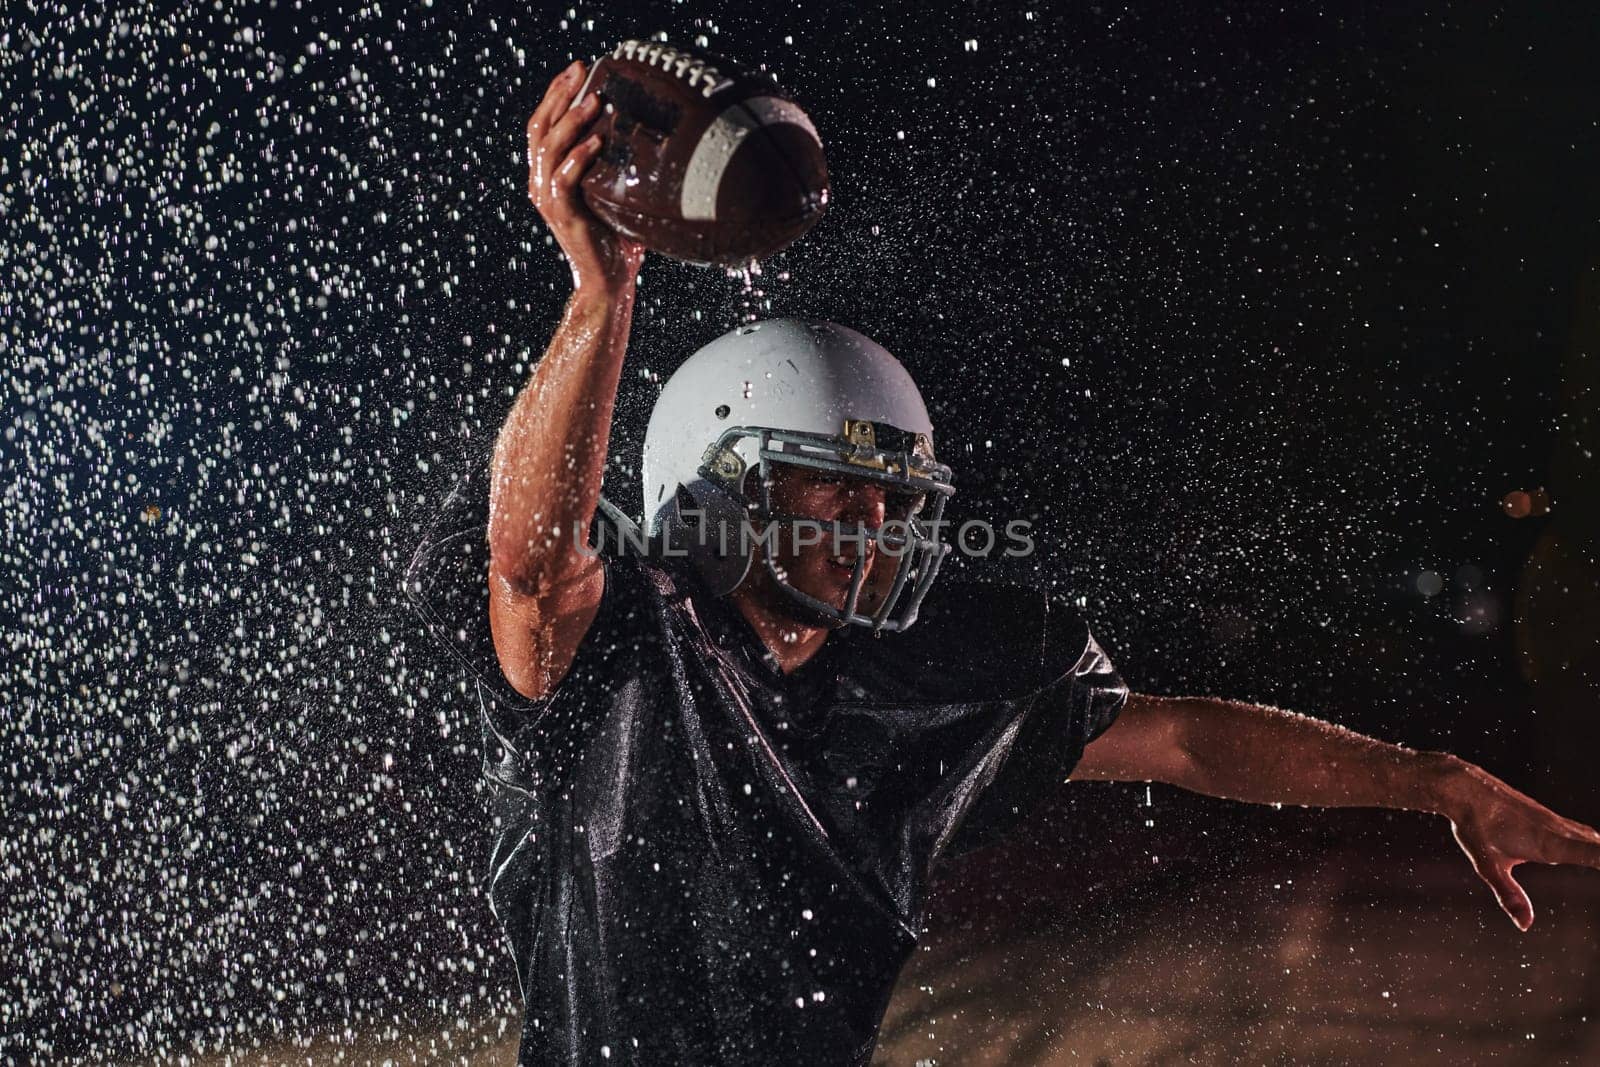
(701, 161)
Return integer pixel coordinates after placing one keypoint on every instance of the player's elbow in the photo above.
(536, 633)
(1148, 742)
(531, 564)
(530, 683)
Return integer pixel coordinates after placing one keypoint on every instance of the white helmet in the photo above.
(806, 393)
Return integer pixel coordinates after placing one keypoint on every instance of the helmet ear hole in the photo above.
(704, 523)
(688, 513)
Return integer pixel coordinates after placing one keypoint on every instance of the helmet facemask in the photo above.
(904, 553)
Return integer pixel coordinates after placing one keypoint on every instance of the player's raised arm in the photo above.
(550, 454)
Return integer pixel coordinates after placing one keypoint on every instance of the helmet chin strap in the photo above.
(777, 599)
(722, 573)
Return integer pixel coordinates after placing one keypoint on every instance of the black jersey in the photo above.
(701, 860)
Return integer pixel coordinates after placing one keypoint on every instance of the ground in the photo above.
(1374, 946)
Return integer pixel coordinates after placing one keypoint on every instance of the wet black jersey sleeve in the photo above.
(1045, 687)
(526, 741)
(447, 585)
(1054, 726)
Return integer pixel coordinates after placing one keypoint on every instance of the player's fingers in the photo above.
(535, 160)
(1513, 900)
(1495, 870)
(557, 96)
(556, 100)
(535, 179)
(1569, 848)
(570, 128)
(571, 170)
(1581, 831)
(539, 165)
(548, 157)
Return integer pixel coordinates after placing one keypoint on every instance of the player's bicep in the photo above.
(1144, 744)
(537, 637)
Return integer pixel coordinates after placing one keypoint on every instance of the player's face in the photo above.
(823, 570)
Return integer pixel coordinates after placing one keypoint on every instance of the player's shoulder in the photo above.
(982, 640)
(1025, 621)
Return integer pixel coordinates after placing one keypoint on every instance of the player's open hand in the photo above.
(1498, 828)
(561, 145)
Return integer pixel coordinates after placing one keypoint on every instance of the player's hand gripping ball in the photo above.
(700, 161)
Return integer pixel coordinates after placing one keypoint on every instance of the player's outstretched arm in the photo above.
(550, 454)
(1255, 753)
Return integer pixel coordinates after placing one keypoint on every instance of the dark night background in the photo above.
(1259, 313)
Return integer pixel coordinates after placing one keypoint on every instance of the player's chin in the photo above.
(829, 581)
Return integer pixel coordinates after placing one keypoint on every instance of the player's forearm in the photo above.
(1265, 755)
(550, 454)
